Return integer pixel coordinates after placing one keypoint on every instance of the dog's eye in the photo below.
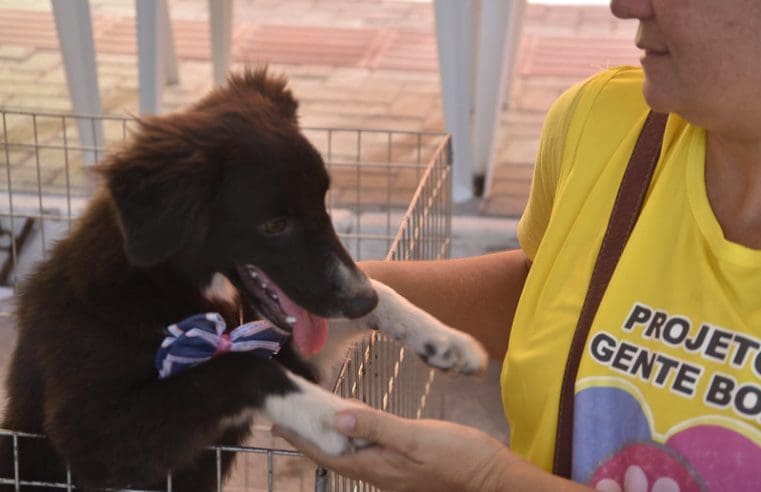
(274, 226)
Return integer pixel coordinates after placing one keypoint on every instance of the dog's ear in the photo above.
(273, 88)
(161, 185)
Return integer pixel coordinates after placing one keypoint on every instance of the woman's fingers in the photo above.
(370, 464)
(375, 427)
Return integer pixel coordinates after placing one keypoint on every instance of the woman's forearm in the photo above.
(518, 475)
(477, 295)
(429, 455)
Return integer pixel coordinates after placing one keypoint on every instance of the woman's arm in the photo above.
(477, 295)
(430, 455)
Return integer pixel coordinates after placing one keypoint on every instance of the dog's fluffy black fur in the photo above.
(230, 180)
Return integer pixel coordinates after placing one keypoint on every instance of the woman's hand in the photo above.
(429, 455)
(414, 455)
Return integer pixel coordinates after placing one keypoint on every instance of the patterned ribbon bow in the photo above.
(197, 339)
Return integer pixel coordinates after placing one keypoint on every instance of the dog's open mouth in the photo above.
(309, 330)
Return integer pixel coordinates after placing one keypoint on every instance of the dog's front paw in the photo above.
(452, 350)
(441, 346)
(309, 411)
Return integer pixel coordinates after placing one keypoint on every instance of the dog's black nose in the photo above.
(361, 303)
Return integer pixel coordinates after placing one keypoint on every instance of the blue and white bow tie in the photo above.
(198, 338)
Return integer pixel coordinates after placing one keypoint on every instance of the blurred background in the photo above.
(351, 63)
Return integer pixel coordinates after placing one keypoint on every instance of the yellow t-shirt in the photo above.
(668, 390)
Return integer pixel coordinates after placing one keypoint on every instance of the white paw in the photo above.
(451, 350)
(309, 412)
(439, 345)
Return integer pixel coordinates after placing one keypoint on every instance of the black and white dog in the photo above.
(216, 209)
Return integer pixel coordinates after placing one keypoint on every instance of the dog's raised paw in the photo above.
(452, 350)
(441, 346)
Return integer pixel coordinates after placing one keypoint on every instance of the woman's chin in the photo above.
(657, 97)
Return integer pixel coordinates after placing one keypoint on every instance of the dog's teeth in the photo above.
(291, 320)
(271, 293)
(253, 274)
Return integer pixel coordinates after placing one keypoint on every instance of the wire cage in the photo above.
(389, 199)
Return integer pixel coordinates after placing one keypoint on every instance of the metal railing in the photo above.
(389, 198)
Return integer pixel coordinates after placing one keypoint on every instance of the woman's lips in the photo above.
(650, 51)
(653, 56)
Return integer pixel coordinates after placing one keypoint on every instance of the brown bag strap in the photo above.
(626, 209)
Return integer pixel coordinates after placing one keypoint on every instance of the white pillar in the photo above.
(150, 53)
(454, 37)
(477, 42)
(74, 27)
(221, 27)
(499, 35)
(172, 71)
(514, 30)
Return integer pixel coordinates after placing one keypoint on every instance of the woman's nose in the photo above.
(632, 9)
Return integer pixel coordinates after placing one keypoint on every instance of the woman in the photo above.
(668, 393)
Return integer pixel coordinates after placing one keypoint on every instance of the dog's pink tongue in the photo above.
(310, 339)
(310, 332)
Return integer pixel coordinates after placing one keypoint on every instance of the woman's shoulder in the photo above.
(610, 96)
(592, 118)
(583, 127)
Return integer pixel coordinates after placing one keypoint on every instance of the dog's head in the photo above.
(231, 186)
